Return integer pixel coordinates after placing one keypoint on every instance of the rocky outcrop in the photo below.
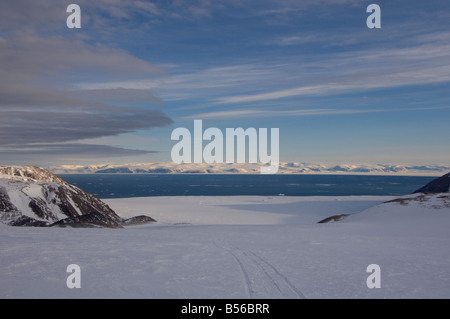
(138, 220)
(334, 218)
(438, 185)
(32, 196)
(91, 220)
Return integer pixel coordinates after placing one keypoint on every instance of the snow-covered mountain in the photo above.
(249, 168)
(32, 196)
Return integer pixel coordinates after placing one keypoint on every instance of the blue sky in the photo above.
(114, 90)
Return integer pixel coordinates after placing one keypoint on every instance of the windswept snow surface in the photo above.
(237, 247)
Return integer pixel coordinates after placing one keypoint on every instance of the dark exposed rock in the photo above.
(334, 218)
(5, 201)
(138, 220)
(28, 221)
(91, 220)
(438, 185)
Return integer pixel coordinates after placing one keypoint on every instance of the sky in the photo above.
(113, 90)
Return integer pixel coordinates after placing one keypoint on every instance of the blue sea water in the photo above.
(144, 185)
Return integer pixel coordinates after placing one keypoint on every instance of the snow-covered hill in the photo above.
(427, 203)
(32, 196)
(418, 207)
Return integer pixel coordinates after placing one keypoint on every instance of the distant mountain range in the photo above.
(236, 168)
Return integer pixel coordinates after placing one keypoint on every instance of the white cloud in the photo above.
(423, 62)
(244, 113)
(365, 70)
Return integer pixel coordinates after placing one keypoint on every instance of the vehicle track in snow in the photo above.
(261, 278)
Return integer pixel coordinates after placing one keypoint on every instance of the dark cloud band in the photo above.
(43, 107)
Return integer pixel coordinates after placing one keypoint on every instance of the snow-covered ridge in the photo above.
(32, 196)
(423, 204)
(29, 173)
(421, 207)
(248, 168)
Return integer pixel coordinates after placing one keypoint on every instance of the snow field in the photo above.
(234, 247)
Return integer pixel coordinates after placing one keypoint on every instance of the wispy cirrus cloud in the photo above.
(365, 70)
(334, 73)
(254, 113)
